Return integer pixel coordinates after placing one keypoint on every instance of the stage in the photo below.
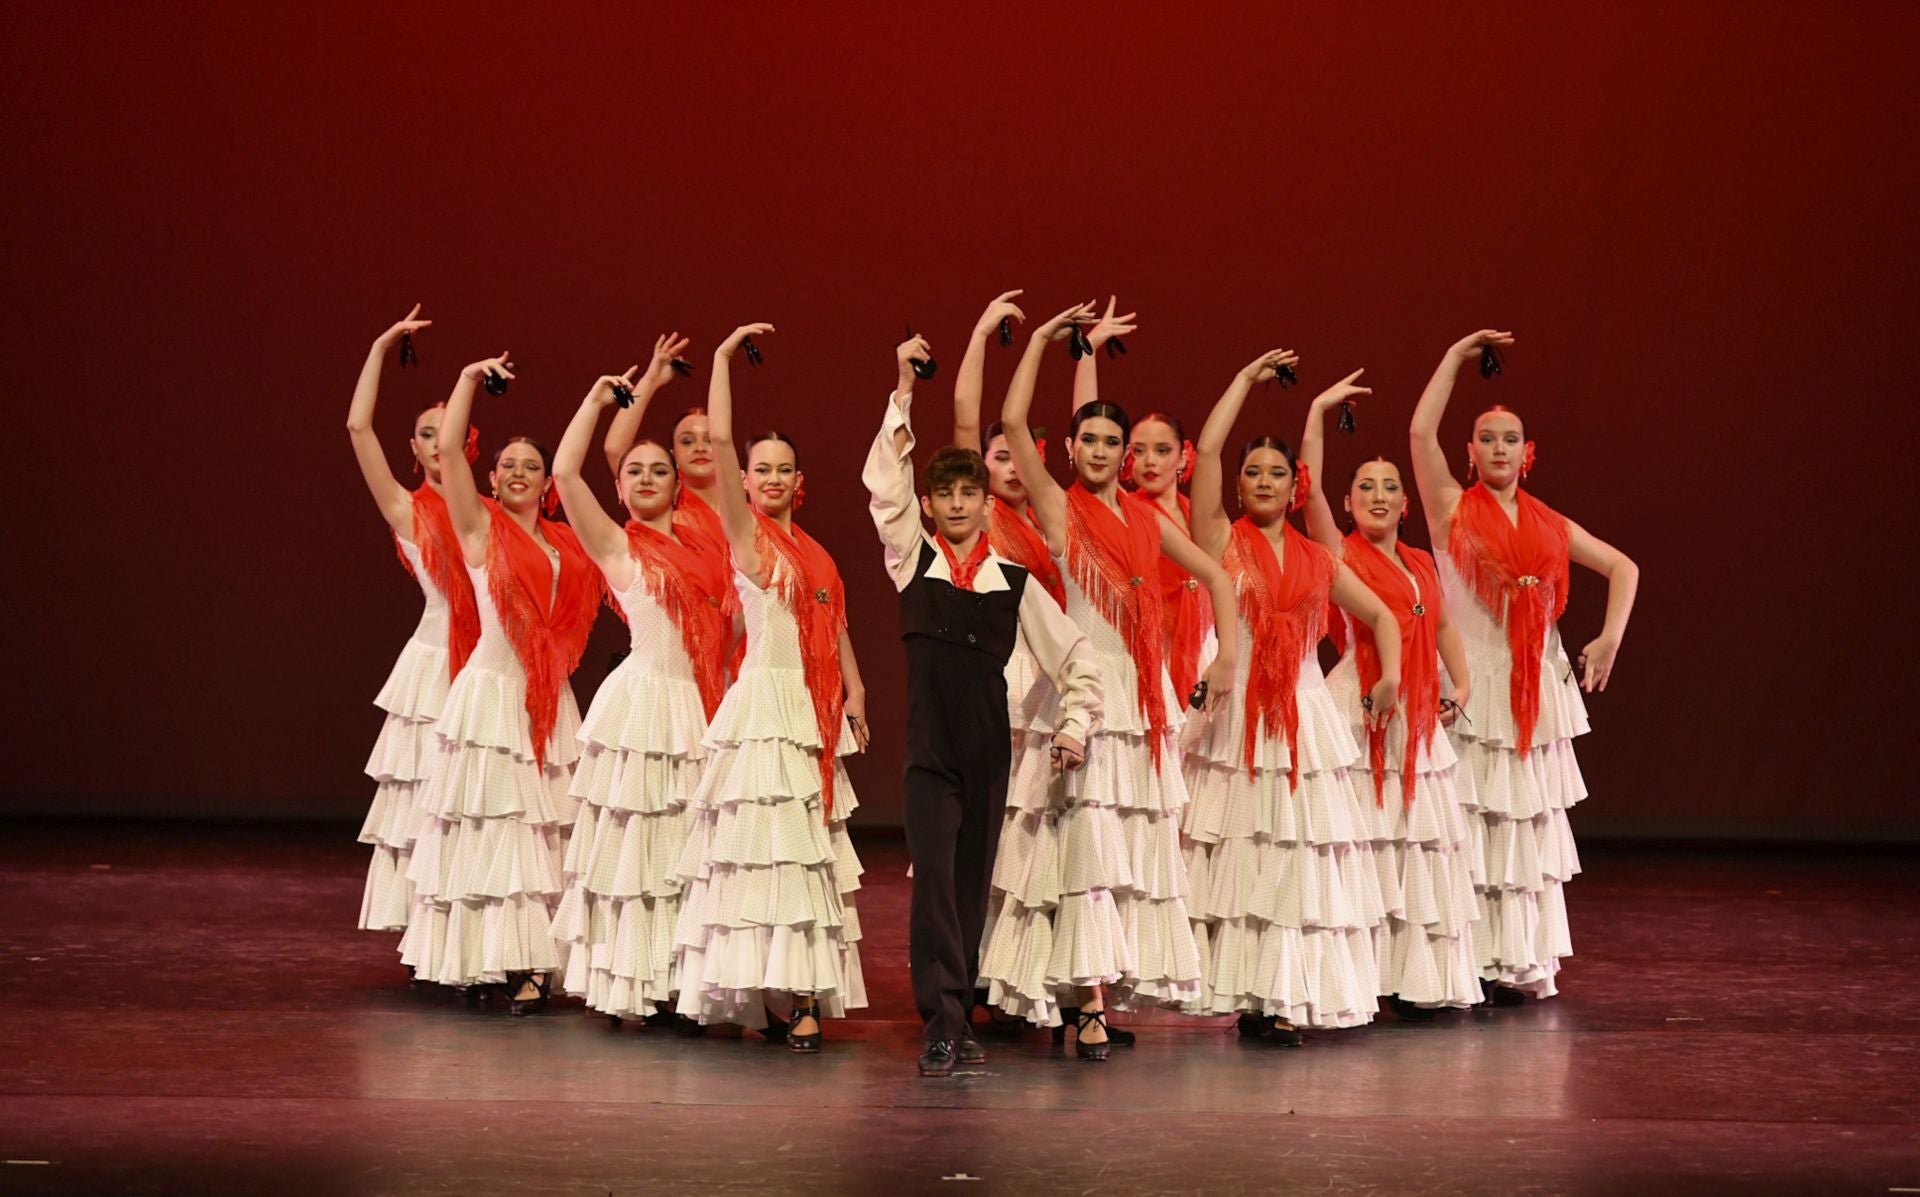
(191, 1011)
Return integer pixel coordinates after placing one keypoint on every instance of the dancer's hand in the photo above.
(601, 392)
(1001, 308)
(406, 325)
(1596, 663)
(1467, 349)
(1056, 328)
(1380, 702)
(498, 367)
(731, 345)
(660, 367)
(1219, 679)
(904, 353)
(855, 708)
(1340, 392)
(1111, 326)
(1449, 715)
(1067, 752)
(1262, 368)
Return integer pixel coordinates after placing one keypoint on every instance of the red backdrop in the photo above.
(1695, 216)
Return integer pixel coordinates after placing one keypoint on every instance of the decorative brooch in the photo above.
(1528, 580)
(820, 595)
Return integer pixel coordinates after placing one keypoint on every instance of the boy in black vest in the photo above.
(961, 611)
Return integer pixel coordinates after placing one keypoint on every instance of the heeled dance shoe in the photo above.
(520, 1007)
(1118, 1036)
(809, 1043)
(1082, 1019)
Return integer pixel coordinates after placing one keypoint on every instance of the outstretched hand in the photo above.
(601, 392)
(665, 350)
(1002, 308)
(1468, 348)
(407, 324)
(1262, 368)
(731, 345)
(1058, 327)
(1110, 326)
(1344, 391)
(492, 367)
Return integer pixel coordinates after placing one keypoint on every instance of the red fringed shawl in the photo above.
(694, 512)
(446, 566)
(1519, 572)
(1419, 651)
(1014, 537)
(689, 576)
(1286, 612)
(547, 624)
(1113, 563)
(809, 584)
(1186, 612)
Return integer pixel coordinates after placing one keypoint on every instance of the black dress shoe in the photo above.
(969, 1050)
(937, 1060)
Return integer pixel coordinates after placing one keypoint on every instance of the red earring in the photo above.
(416, 465)
(1302, 487)
(1126, 467)
(1471, 468)
(1526, 462)
(1186, 471)
(799, 494)
(550, 502)
(473, 444)
(1040, 446)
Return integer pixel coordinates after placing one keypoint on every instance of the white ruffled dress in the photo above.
(1287, 903)
(1089, 887)
(1430, 873)
(413, 697)
(640, 761)
(1525, 840)
(486, 860)
(767, 879)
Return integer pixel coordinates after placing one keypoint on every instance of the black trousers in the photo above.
(959, 750)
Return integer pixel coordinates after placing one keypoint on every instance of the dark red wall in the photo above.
(1692, 214)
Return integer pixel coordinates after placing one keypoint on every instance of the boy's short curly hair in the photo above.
(953, 465)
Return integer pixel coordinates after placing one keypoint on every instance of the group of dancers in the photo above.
(1128, 783)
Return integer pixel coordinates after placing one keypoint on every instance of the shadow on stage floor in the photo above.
(188, 1010)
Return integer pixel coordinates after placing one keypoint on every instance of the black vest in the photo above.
(936, 609)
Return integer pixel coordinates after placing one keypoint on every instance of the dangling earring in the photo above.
(1126, 467)
(800, 494)
(416, 466)
(1471, 468)
(1186, 471)
(473, 444)
(1526, 463)
(550, 501)
(1302, 487)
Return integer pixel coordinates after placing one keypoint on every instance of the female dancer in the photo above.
(1105, 916)
(768, 874)
(692, 447)
(1286, 897)
(416, 690)
(1422, 844)
(1503, 557)
(486, 867)
(641, 742)
(1159, 458)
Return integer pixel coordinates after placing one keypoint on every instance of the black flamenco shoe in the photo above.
(688, 1028)
(1083, 1019)
(1406, 1011)
(937, 1059)
(969, 1051)
(1283, 1034)
(661, 1018)
(1253, 1026)
(776, 1029)
(1504, 996)
(543, 991)
(1118, 1036)
(809, 1044)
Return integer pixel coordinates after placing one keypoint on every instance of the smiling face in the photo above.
(772, 477)
(1158, 456)
(647, 481)
(1266, 485)
(1099, 444)
(1377, 499)
(425, 441)
(1498, 447)
(1003, 477)
(693, 450)
(958, 507)
(520, 478)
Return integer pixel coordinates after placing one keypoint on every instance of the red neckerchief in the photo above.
(548, 625)
(809, 584)
(1114, 565)
(1286, 612)
(1418, 613)
(1519, 573)
(441, 557)
(964, 571)
(1015, 538)
(1186, 614)
(688, 575)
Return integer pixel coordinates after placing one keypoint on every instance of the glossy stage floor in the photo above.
(188, 1010)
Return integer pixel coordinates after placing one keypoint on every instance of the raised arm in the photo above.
(735, 515)
(392, 498)
(888, 472)
(470, 519)
(1623, 583)
(1086, 378)
(1192, 558)
(1209, 516)
(1313, 451)
(1439, 490)
(1049, 501)
(625, 427)
(1353, 596)
(971, 381)
(603, 538)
